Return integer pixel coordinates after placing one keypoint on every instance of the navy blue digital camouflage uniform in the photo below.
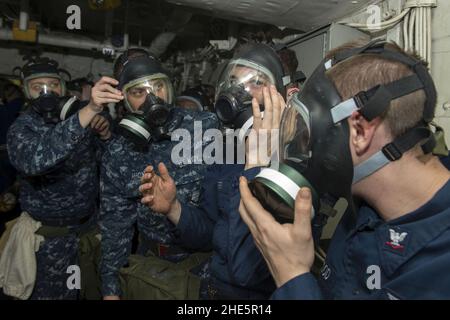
(369, 258)
(123, 165)
(58, 172)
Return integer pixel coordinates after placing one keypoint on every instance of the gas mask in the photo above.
(46, 94)
(52, 107)
(41, 68)
(244, 79)
(195, 99)
(314, 136)
(149, 121)
(240, 82)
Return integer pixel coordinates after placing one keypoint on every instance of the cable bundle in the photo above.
(416, 18)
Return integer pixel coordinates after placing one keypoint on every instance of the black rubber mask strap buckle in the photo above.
(392, 152)
(395, 150)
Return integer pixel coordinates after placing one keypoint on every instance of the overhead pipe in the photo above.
(61, 40)
(64, 40)
(158, 46)
(177, 20)
(162, 41)
(70, 41)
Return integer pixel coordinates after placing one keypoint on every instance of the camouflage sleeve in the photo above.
(100, 145)
(32, 153)
(117, 216)
(209, 120)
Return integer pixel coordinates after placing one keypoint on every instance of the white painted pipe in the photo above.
(405, 33)
(427, 49)
(421, 50)
(429, 34)
(417, 31)
(61, 40)
(64, 40)
(23, 21)
(424, 34)
(428, 30)
(23, 16)
(411, 37)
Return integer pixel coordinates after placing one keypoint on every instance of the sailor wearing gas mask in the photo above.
(252, 82)
(360, 127)
(55, 146)
(144, 137)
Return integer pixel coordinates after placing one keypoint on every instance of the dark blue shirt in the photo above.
(446, 162)
(407, 258)
(216, 224)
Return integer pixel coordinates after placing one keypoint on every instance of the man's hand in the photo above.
(101, 126)
(160, 193)
(288, 249)
(259, 147)
(111, 298)
(102, 93)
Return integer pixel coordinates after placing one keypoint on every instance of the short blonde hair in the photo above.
(365, 71)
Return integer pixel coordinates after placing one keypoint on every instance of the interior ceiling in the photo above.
(298, 14)
(145, 19)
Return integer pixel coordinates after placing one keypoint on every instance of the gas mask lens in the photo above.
(295, 133)
(149, 103)
(38, 88)
(136, 92)
(239, 83)
(246, 75)
(277, 187)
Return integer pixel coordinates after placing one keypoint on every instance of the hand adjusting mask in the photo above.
(314, 137)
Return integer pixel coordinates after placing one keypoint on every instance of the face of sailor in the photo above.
(36, 86)
(136, 95)
(254, 82)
